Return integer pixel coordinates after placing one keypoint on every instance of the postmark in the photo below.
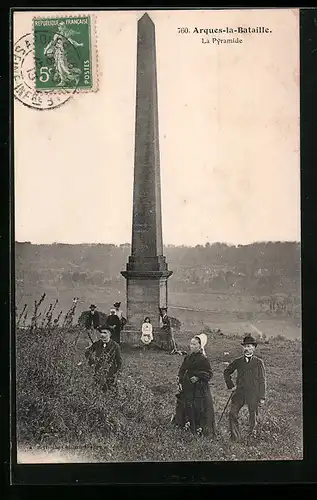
(63, 51)
(24, 78)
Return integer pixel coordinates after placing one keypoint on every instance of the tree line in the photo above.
(263, 266)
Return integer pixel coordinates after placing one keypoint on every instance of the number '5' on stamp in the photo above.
(64, 53)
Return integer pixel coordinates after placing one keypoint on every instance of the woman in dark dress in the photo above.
(194, 409)
(114, 323)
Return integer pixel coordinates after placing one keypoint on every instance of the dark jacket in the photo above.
(92, 320)
(106, 360)
(194, 402)
(114, 322)
(198, 365)
(251, 378)
(166, 324)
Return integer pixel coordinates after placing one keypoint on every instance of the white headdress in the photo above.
(203, 341)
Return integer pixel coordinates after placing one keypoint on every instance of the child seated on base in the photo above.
(147, 332)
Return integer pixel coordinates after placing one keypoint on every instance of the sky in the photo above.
(229, 135)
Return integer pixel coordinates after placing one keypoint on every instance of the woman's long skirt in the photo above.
(198, 411)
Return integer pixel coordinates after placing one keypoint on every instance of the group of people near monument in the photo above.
(115, 321)
(194, 409)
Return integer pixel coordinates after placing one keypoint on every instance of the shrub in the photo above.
(58, 401)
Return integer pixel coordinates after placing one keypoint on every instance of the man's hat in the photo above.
(93, 306)
(103, 328)
(117, 304)
(248, 339)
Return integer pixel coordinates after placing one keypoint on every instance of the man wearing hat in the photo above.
(92, 320)
(250, 386)
(105, 357)
(167, 341)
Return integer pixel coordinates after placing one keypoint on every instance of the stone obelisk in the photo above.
(146, 271)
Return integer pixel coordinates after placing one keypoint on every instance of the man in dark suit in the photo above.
(250, 386)
(114, 323)
(167, 337)
(105, 356)
(92, 320)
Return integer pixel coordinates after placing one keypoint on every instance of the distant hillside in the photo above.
(261, 268)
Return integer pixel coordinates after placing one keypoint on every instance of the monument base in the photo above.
(146, 293)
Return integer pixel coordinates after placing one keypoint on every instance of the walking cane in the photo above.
(88, 332)
(225, 407)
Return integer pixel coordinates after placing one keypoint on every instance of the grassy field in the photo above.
(104, 296)
(59, 410)
(232, 313)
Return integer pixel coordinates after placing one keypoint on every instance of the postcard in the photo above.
(157, 236)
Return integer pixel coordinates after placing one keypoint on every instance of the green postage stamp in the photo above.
(64, 53)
